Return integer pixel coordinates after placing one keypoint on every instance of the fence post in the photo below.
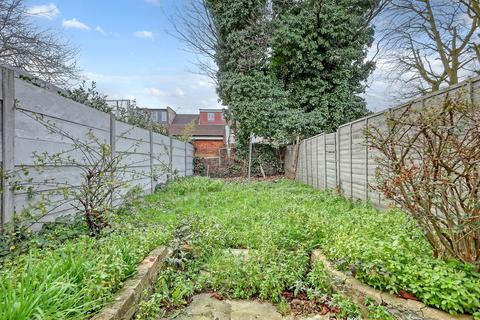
(306, 160)
(311, 160)
(325, 181)
(471, 92)
(366, 163)
(317, 180)
(336, 157)
(351, 161)
(170, 159)
(8, 144)
(113, 145)
(152, 180)
(185, 146)
(339, 161)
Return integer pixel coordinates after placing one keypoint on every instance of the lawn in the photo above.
(280, 223)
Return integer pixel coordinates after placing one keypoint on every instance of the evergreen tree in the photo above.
(319, 50)
(290, 68)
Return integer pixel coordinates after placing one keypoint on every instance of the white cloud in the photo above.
(144, 34)
(154, 2)
(155, 92)
(48, 11)
(75, 24)
(101, 31)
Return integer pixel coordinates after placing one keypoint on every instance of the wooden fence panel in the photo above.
(343, 161)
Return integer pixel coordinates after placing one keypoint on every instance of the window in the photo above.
(154, 116)
(223, 116)
(164, 116)
(211, 116)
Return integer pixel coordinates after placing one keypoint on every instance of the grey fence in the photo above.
(342, 160)
(22, 135)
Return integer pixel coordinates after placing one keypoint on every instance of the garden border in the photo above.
(127, 299)
(399, 307)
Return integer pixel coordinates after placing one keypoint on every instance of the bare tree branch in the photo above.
(42, 53)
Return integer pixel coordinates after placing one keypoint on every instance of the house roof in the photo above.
(200, 130)
(184, 119)
(211, 110)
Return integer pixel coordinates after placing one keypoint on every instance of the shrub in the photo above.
(429, 165)
(199, 166)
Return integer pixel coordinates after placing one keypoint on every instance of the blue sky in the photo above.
(125, 47)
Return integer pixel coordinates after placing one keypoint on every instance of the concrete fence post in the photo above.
(471, 92)
(8, 144)
(152, 180)
(351, 160)
(306, 160)
(325, 172)
(185, 147)
(366, 163)
(311, 162)
(170, 159)
(339, 161)
(113, 144)
(317, 178)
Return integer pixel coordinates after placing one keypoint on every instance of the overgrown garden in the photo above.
(67, 274)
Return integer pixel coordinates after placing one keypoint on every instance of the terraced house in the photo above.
(211, 132)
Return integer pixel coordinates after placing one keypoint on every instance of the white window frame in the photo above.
(211, 116)
(164, 117)
(154, 116)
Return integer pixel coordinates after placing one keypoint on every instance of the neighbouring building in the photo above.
(164, 116)
(209, 134)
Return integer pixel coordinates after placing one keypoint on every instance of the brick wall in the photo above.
(208, 148)
(218, 118)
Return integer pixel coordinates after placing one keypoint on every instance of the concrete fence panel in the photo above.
(26, 112)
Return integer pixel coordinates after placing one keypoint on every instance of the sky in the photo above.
(125, 47)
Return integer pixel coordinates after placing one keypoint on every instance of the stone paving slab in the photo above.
(204, 307)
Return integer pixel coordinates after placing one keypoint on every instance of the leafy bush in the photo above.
(199, 167)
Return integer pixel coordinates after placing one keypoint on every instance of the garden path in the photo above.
(204, 307)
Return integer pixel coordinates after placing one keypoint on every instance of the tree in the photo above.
(429, 166)
(253, 96)
(39, 52)
(194, 26)
(188, 131)
(319, 53)
(431, 42)
(291, 68)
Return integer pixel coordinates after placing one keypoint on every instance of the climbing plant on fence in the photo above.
(430, 166)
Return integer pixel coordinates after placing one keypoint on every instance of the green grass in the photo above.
(73, 280)
(281, 223)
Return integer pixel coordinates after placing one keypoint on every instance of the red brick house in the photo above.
(210, 133)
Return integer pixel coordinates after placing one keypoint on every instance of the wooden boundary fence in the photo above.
(342, 160)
